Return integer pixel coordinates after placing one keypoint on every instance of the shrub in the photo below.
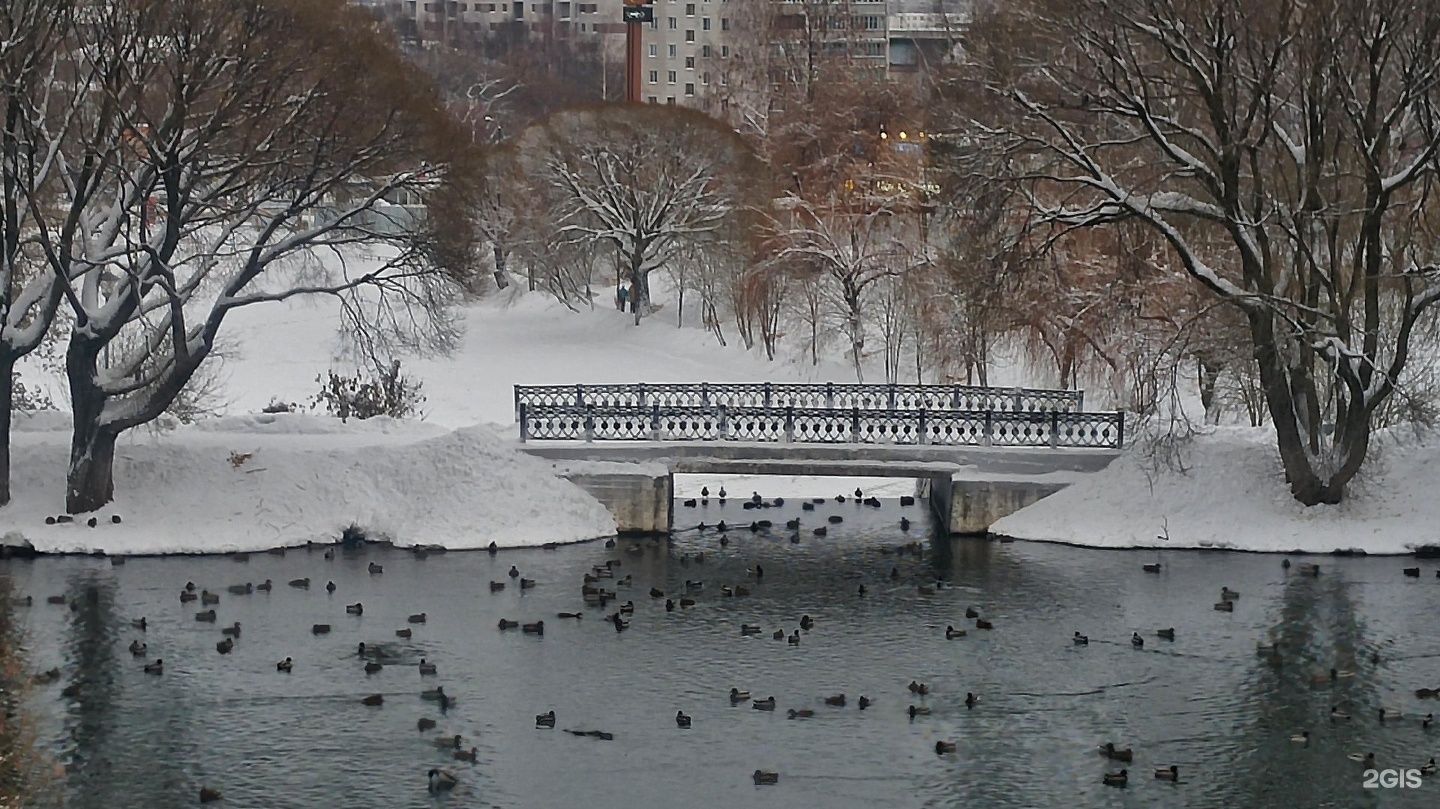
(386, 392)
(277, 406)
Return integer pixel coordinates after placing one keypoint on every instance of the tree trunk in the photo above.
(90, 483)
(7, 401)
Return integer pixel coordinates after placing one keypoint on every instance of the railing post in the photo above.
(520, 416)
(723, 431)
(924, 437)
(954, 397)
(517, 404)
(589, 423)
(1120, 429)
(704, 394)
(580, 396)
(989, 437)
(655, 422)
(891, 395)
(1019, 400)
(1054, 429)
(767, 395)
(829, 395)
(1079, 401)
(854, 425)
(789, 424)
(642, 394)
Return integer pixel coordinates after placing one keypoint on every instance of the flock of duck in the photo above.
(596, 592)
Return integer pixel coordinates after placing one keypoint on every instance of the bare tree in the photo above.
(646, 180)
(1301, 136)
(205, 155)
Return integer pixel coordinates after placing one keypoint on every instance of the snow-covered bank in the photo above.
(1233, 496)
(257, 482)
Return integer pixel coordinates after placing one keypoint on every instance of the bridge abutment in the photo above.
(642, 501)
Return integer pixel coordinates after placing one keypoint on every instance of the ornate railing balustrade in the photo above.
(789, 424)
(828, 396)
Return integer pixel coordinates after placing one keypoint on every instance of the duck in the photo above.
(918, 710)
(1303, 737)
(925, 590)
(981, 623)
(838, 700)
(492, 548)
(1387, 714)
(1080, 640)
(208, 598)
(1338, 715)
(265, 586)
(803, 713)
(1340, 674)
(434, 694)
(537, 628)
(426, 668)
(918, 688)
(507, 624)
(757, 571)
(863, 702)
(941, 748)
(1165, 634)
(374, 700)
(1368, 760)
(330, 587)
(207, 616)
(232, 631)
(417, 619)
(656, 592)
(403, 633)
(514, 572)
(1226, 594)
(55, 600)
(1266, 648)
(767, 704)
(794, 639)
(139, 624)
(208, 795)
(971, 700)
(904, 524)
(1428, 768)
(497, 586)
(779, 634)
(1412, 572)
(1225, 606)
(371, 651)
(736, 695)
(285, 665)
(750, 629)
(300, 584)
(470, 755)
(186, 597)
(442, 781)
(319, 629)
(158, 667)
(241, 589)
(1137, 641)
(545, 720)
(972, 613)
(681, 720)
(448, 742)
(1151, 568)
(686, 602)
(355, 609)
(1427, 693)
(1116, 779)
(951, 633)
(526, 584)
(137, 648)
(375, 569)
(1110, 751)
(372, 667)
(1171, 773)
(763, 777)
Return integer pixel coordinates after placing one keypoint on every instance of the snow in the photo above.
(306, 478)
(1232, 495)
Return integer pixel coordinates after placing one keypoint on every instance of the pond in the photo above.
(1206, 702)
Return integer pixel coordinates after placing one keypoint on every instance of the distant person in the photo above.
(622, 296)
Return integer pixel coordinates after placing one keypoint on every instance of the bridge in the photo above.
(979, 452)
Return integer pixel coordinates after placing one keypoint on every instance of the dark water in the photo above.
(1206, 702)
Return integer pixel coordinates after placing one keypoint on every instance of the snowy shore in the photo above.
(250, 483)
(1232, 496)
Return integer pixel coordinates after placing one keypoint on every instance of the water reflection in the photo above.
(1205, 702)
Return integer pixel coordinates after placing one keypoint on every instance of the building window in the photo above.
(672, 51)
(690, 90)
(724, 51)
(705, 77)
(724, 23)
(671, 24)
(670, 101)
(654, 100)
(654, 77)
(870, 23)
(564, 10)
(689, 9)
(670, 76)
(589, 8)
(690, 35)
(654, 51)
(705, 23)
(705, 51)
(689, 63)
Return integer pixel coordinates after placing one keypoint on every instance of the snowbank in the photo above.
(1233, 496)
(257, 482)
